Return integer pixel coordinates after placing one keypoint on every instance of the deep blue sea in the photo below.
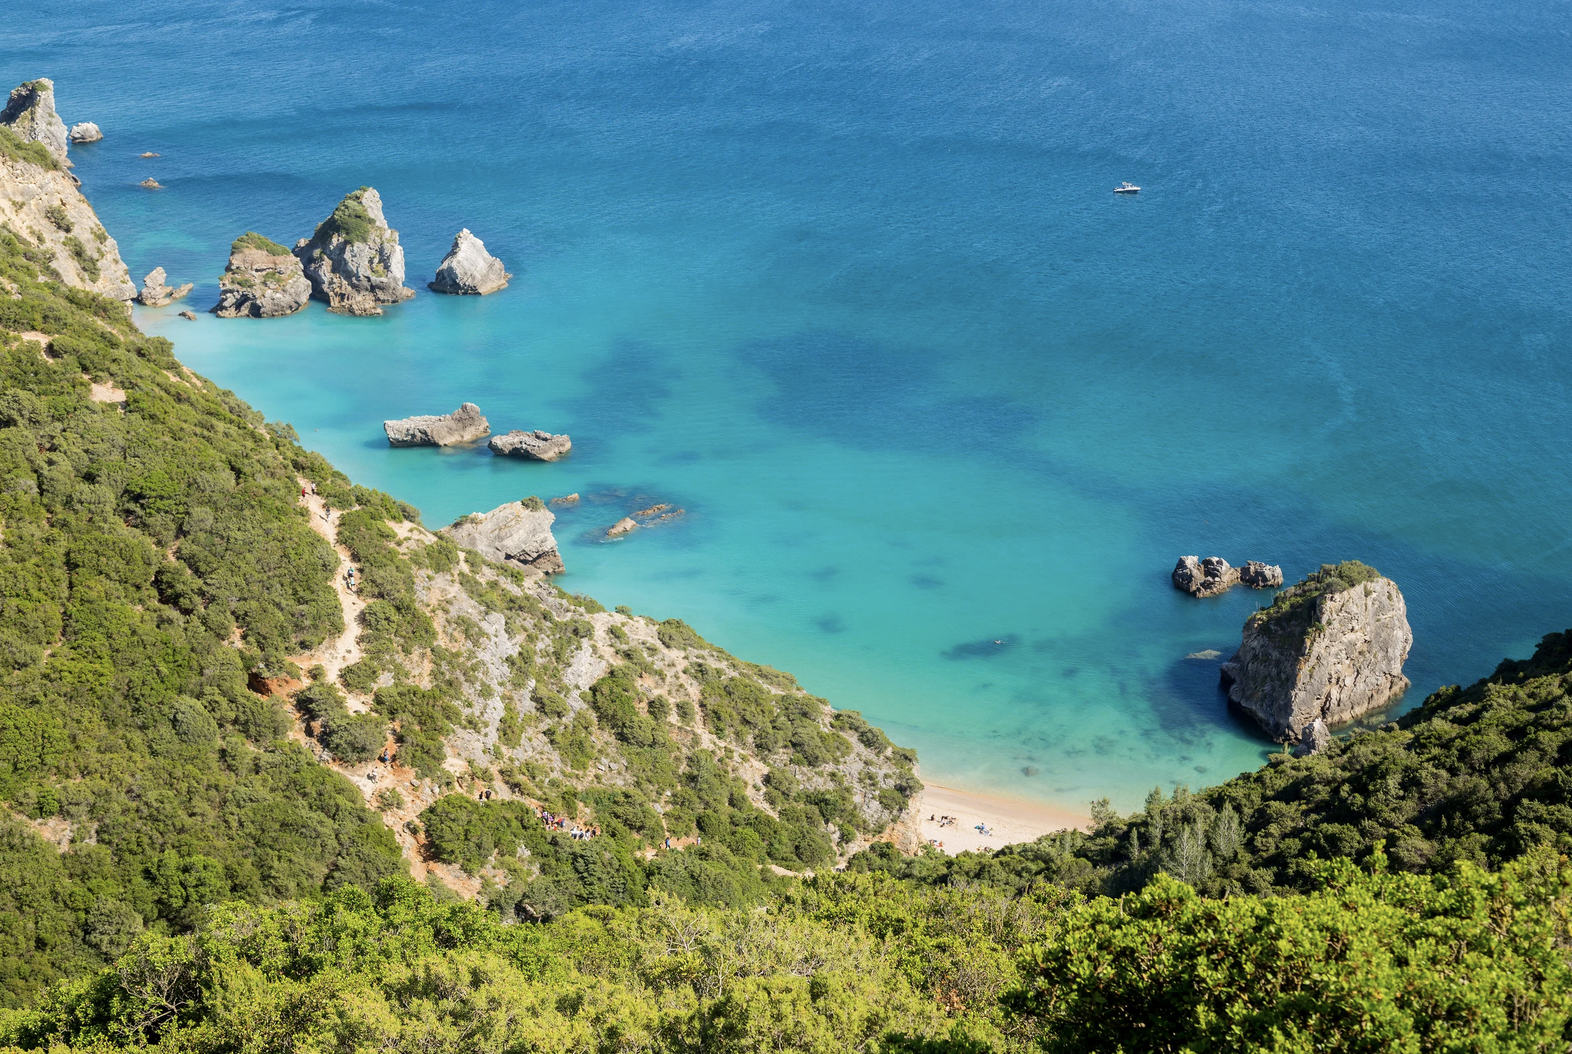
(847, 282)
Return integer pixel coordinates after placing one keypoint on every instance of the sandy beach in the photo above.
(1006, 819)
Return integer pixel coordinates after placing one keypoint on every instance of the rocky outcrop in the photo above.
(1257, 575)
(461, 426)
(151, 184)
(1204, 578)
(263, 280)
(354, 260)
(469, 269)
(518, 532)
(86, 132)
(155, 293)
(1317, 737)
(626, 525)
(30, 113)
(1330, 648)
(541, 446)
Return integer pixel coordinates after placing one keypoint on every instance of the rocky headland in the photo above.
(463, 425)
(1330, 648)
(156, 292)
(468, 269)
(354, 260)
(518, 533)
(1214, 575)
(30, 113)
(537, 445)
(262, 280)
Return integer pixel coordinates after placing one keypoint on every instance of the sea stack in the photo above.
(85, 132)
(354, 260)
(538, 445)
(461, 426)
(1330, 648)
(263, 280)
(468, 269)
(518, 532)
(155, 293)
(1204, 578)
(30, 113)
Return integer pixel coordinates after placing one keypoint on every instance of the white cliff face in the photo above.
(463, 425)
(44, 206)
(511, 533)
(469, 269)
(1335, 658)
(354, 260)
(30, 113)
(260, 283)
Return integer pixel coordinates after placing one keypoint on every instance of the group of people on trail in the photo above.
(554, 822)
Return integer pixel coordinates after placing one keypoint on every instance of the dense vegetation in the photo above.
(15, 148)
(253, 240)
(349, 220)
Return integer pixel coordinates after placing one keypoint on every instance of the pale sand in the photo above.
(1010, 819)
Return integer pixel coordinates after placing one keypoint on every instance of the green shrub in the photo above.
(57, 215)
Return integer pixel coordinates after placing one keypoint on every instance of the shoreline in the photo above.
(1008, 820)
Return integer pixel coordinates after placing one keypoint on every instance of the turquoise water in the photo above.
(846, 281)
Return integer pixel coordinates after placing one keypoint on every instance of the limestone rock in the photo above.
(30, 113)
(1257, 575)
(1204, 578)
(151, 184)
(263, 280)
(86, 132)
(354, 260)
(566, 499)
(623, 526)
(518, 532)
(469, 268)
(155, 293)
(1330, 648)
(460, 426)
(542, 446)
(1317, 737)
(188, 316)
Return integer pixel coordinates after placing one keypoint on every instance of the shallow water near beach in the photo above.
(848, 284)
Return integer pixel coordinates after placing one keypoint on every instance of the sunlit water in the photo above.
(846, 281)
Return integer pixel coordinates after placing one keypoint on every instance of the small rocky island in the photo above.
(354, 260)
(263, 280)
(463, 425)
(538, 445)
(157, 293)
(85, 132)
(1214, 575)
(1330, 649)
(468, 269)
(518, 533)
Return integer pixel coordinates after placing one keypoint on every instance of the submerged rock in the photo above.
(539, 445)
(354, 260)
(188, 316)
(566, 499)
(263, 280)
(1330, 648)
(461, 426)
(469, 269)
(518, 532)
(30, 113)
(1257, 575)
(86, 132)
(155, 293)
(1204, 578)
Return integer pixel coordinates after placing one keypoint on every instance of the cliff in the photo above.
(354, 260)
(1330, 648)
(30, 114)
(262, 280)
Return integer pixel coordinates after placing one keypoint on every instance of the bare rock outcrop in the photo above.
(463, 425)
(157, 293)
(354, 260)
(1257, 575)
(30, 113)
(263, 280)
(539, 445)
(1330, 648)
(1317, 737)
(1204, 578)
(85, 132)
(518, 532)
(469, 269)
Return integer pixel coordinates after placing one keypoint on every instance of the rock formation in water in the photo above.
(85, 132)
(542, 446)
(354, 260)
(1204, 578)
(461, 426)
(40, 202)
(1257, 575)
(30, 113)
(469, 269)
(155, 293)
(1330, 648)
(188, 316)
(626, 525)
(518, 532)
(263, 280)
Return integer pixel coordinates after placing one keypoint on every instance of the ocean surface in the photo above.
(846, 281)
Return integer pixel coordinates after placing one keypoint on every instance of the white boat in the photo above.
(1127, 188)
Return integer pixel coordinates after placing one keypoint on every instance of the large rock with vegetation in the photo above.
(518, 532)
(41, 205)
(538, 445)
(464, 425)
(354, 260)
(1330, 648)
(262, 280)
(30, 114)
(469, 269)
